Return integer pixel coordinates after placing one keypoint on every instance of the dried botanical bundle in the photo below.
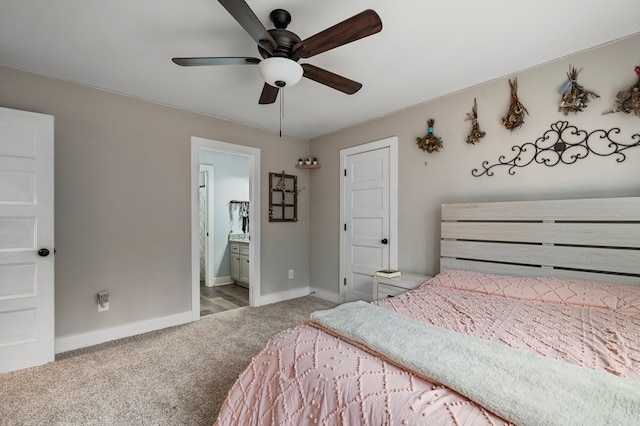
(476, 134)
(574, 97)
(628, 101)
(429, 142)
(515, 116)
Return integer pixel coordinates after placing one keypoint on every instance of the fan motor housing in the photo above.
(284, 38)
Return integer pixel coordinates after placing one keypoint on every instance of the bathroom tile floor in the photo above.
(222, 298)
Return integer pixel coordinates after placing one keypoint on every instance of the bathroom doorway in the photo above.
(231, 228)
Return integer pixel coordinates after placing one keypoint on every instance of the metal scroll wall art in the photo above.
(565, 144)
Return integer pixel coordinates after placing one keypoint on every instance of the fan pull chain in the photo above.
(281, 109)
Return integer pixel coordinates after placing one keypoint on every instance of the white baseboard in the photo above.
(221, 281)
(282, 296)
(69, 343)
(326, 295)
(77, 341)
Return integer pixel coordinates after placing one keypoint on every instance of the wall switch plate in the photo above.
(290, 274)
(103, 301)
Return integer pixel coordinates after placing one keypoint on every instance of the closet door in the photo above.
(26, 239)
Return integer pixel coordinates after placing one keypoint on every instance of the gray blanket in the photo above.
(520, 386)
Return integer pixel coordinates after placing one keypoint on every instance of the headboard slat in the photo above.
(596, 209)
(590, 238)
(587, 258)
(589, 234)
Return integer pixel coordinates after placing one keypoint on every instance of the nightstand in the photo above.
(389, 287)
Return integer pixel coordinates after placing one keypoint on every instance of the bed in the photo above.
(533, 319)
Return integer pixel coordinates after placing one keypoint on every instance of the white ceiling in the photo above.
(426, 49)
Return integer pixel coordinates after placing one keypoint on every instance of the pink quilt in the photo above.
(306, 376)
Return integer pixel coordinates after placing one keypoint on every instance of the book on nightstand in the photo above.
(388, 273)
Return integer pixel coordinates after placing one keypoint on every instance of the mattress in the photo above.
(305, 375)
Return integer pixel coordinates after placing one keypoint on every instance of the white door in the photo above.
(367, 205)
(26, 239)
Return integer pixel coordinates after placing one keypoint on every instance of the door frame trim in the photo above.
(392, 144)
(197, 145)
(210, 220)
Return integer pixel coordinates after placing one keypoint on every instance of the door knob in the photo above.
(384, 241)
(43, 252)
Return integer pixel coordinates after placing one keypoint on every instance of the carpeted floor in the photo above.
(176, 376)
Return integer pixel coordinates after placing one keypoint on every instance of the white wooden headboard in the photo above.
(595, 239)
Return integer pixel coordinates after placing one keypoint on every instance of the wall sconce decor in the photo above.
(574, 97)
(476, 134)
(515, 116)
(628, 101)
(430, 142)
(565, 144)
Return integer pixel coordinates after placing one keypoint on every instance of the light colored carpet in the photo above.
(176, 376)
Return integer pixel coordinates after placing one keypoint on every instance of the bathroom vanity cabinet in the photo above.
(240, 263)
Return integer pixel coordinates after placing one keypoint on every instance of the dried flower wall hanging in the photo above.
(429, 142)
(476, 134)
(574, 97)
(515, 116)
(628, 101)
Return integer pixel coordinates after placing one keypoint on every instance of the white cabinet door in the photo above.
(244, 269)
(26, 229)
(235, 267)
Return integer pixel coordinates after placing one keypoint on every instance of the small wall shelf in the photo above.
(307, 166)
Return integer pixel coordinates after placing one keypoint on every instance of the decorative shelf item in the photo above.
(430, 142)
(628, 101)
(309, 163)
(283, 197)
(564, 144)
(574, 97)
(515, 116)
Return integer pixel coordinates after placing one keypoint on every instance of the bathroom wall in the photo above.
(231, 182)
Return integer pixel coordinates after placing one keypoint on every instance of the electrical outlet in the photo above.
(103, 301)
(290, 274)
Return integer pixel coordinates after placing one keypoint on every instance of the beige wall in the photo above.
(122, 208)
(427, 180)
(122, 182)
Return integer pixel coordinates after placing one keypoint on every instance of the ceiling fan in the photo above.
(281, 49)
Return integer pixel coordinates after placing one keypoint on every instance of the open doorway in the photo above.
(230, 228)
(223, 177)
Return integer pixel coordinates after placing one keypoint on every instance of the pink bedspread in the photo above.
(306, 376)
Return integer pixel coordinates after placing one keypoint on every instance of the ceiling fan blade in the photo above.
(330, 79)
(195, 62)
(268, 95)
(250, 22)
(358, 26)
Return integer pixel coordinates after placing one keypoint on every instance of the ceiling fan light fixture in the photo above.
(280, 72)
